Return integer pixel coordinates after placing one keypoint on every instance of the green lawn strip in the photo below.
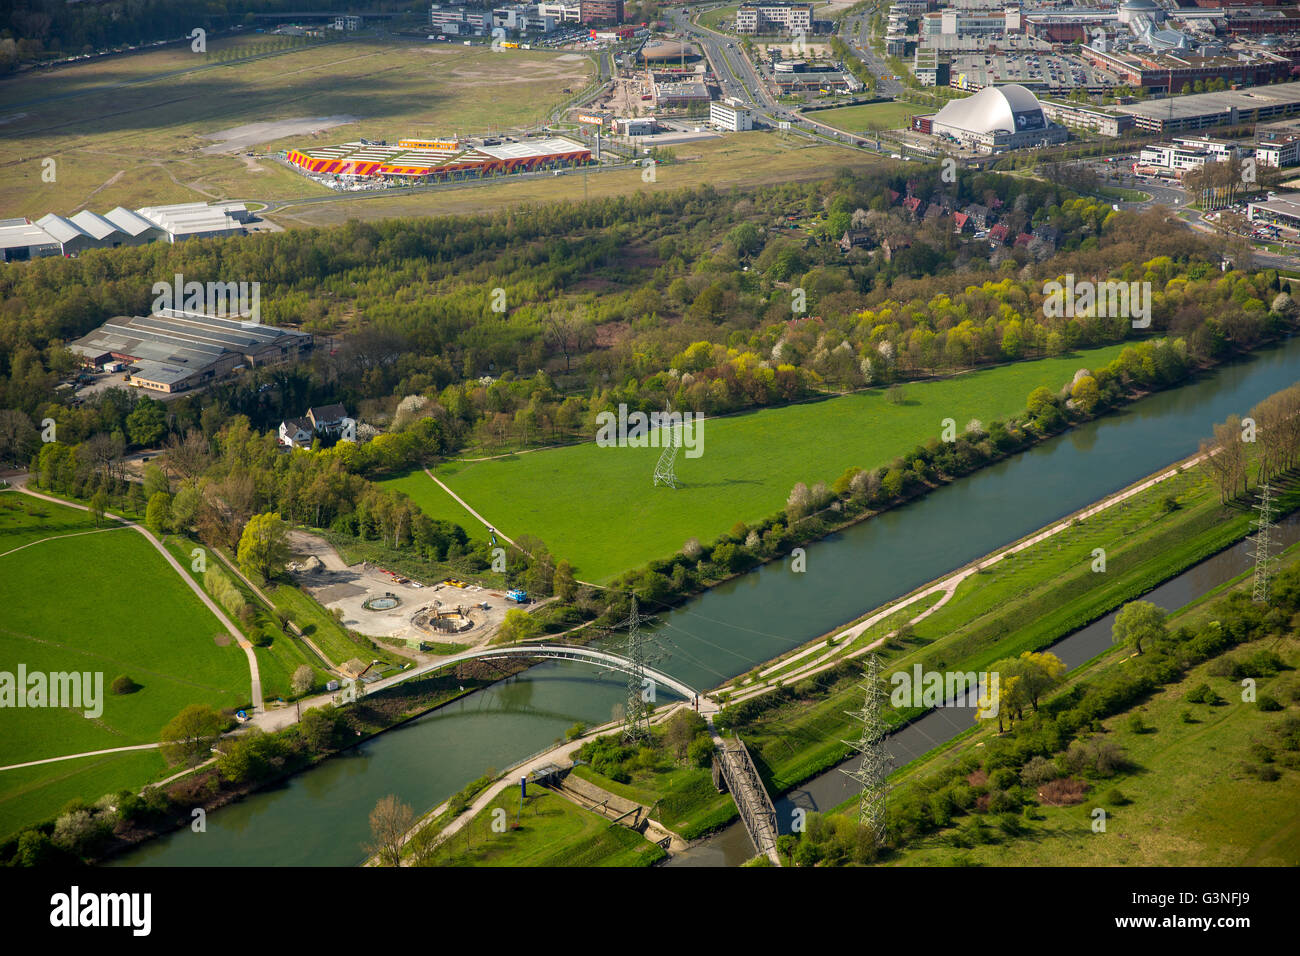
(858, 119)
(577, 498)
(552, 832)
(24, 519)
(276, 662)
(323, 629)
(1188, 799)
(32, 795)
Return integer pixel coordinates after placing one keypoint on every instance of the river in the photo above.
(320, 817)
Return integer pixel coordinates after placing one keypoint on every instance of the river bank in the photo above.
(728, 630)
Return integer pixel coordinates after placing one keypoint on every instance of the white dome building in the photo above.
(996, 119)
(1131, 9)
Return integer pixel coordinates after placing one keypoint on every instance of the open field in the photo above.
(742, 160)
(135, 130)
(33, 795)
(1188, 800)
(285, 654)
(858, 119)
(103, 603)
(552, 832)
(597, 508)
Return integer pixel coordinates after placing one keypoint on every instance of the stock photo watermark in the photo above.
(647, 430)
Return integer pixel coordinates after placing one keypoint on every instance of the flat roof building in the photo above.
(731, 114)
(21, 240)
(1202, 110)
(1282, 210)
(774, 17)
(177, 351)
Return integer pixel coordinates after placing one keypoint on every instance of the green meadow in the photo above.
(859, 119)
(597, 507)
(104, 603)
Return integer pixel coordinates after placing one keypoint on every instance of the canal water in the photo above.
(732, 846)
(320, 817)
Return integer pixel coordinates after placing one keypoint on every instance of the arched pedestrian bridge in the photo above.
(550, 651)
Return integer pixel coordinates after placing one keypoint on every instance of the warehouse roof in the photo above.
(128, 222)
(1200, 104)
(18, 234)
(94, 225)
(61, 229)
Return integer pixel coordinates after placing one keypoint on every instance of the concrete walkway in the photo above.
(88, 753)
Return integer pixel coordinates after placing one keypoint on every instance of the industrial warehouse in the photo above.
(420, 160)
(176, 351)
(55, 235)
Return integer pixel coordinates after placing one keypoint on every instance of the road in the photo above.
(736, 76)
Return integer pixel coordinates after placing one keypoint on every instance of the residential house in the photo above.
(329, 421)
(854, 238)
(296, 433)
(1048, 233)
(1000, 233)
(980, 216)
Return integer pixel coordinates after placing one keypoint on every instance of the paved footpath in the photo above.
(20, 484)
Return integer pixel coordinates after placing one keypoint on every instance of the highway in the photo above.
(736, 76)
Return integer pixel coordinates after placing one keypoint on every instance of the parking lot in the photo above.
(1034, 69)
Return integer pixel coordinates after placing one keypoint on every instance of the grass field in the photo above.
(858, 119)
(276, 663)
(1188, 800)
(103, 603)
(596, 506)
(552, 832)
(132, 130)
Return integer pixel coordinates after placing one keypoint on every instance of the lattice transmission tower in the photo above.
(665, 474)
(1263, 538)
(873, 770)
(638, 648)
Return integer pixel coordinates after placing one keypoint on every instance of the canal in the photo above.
(320, 817)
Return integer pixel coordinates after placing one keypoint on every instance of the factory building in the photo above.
(178, 351)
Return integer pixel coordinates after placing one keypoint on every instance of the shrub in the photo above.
(1038, 770)
(1266, 702)
(1115, 797)
(1064, 792)
(1135, 724)
(700, 751)
(122, 684)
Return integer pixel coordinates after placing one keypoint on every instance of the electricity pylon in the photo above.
(664, 472)
(873, 770)
(1263, 538)
(637, 648)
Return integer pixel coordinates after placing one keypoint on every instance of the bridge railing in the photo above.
(752, 800)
